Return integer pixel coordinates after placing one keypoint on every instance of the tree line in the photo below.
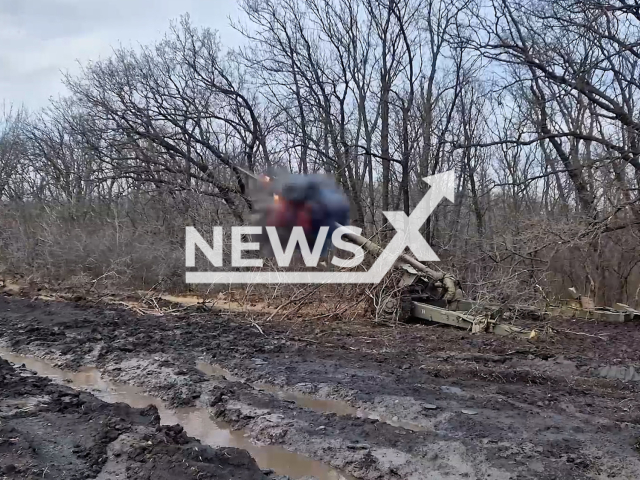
(532, 102)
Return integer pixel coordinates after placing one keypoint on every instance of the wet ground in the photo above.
(356, 400)
(53, 431)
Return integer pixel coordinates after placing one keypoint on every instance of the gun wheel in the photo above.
(394, 307)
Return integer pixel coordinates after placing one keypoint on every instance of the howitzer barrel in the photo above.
(448, 281)
(371, 247)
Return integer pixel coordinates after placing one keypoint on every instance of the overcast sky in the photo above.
(41, 38)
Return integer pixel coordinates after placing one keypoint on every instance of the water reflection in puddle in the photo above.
(196, 421)
(319, 405)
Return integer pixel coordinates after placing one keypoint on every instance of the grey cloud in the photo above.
(41, 38)
(53, 19)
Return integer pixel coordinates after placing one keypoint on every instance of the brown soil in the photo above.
(52, 431)
(483, 406)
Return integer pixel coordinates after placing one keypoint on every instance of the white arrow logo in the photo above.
(408, 235)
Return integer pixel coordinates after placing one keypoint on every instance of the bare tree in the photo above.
(183, 99)
(11, 147)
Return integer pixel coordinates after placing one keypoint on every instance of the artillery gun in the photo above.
(424, 293)
(427, 294)
(417, 283)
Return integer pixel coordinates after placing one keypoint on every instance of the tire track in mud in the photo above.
(533, 419)
(195, 421)
(50, 431)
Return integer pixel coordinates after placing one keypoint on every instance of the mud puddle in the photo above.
(196, 421)
(320, 405)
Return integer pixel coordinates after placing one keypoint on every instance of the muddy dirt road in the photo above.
(53, 431)
(337, 401)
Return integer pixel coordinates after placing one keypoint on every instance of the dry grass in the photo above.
(140, 246)
(90, 251)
